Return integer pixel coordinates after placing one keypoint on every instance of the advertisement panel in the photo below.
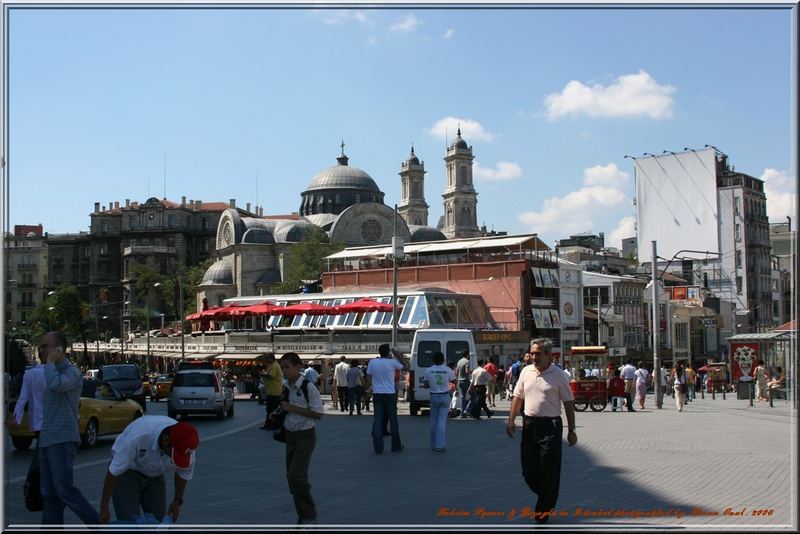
(676, 202)
(569, 307)
(744, 359)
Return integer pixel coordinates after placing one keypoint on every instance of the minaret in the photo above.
(413, 208)
(460, 199)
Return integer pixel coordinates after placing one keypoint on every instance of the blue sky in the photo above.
(550, 99)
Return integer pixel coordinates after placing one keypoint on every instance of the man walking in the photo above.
(463, 372)
(147, 449)
(543, 387)
(628, 372)
(59, 437)
(491, 387)
(380, 375)
(30, 396)
(303, 408)
(340, 379)
(478, 381)
(438, 378)
(273, 385)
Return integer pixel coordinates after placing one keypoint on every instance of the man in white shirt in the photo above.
(311, 374)
(438, 378)
(340, 378)
(147, 449)
(477, 390)
(303, 407)
(628, 373)
(380, 374)
(544, 388)
(31, 395)
(462, 376)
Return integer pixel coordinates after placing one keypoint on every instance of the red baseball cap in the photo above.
(184, 440)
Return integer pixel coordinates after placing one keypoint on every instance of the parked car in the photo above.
(200, 391)
(160, 387)
(126, 378)
(103, 410)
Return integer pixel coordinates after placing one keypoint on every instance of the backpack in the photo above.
(32, 488)
(280, 431)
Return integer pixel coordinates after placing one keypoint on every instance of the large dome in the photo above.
(337, 188)
(343, 177)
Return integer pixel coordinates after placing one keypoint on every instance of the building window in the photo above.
(739, 285)
(171, 221)
(681, 335)
(738, 259)
(462, 174)
(104, 249)
(736, 207)
(132, 221)
(737, 232)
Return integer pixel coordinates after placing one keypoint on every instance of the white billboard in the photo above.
(676, 203)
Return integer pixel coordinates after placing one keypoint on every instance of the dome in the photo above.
(343, 176)
(288, 231)
(258, 236)
(459, 142)
(412, 158)
(220, 273)
(425, 233)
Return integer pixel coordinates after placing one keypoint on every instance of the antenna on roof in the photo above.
(256, 192)
(445, 134)
(165, 176)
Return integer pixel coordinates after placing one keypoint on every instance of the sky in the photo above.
(252, 103)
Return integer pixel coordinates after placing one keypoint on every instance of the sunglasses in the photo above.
(535, 352)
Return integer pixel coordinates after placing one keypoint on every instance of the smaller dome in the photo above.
(459, 142)
(288, 231)
(412, 158)
(425, 233)
(220, 273)
(258, 236)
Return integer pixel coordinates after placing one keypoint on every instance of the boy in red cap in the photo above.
(148, 448)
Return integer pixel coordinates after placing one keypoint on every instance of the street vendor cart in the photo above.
(589, 392)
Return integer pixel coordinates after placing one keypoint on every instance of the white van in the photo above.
(449, 341)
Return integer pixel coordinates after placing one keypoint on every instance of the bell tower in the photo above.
(460, 199)
(412, 207)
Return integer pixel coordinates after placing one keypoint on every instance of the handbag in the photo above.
(684, 388)
(32, 489)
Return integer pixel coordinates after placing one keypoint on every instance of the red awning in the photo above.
(364, 305)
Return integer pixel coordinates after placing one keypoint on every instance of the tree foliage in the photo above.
(65, 310)
(306, 260)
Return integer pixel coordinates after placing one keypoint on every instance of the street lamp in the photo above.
(157, 284)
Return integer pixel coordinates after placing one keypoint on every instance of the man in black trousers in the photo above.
(543, 387)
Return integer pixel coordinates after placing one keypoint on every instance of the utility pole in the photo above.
(181, 312)
(655, 325)
(394, 279)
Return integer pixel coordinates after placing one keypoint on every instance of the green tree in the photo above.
(306, 260)
(64, 310)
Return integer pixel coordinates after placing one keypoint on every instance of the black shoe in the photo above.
(387, 434)
(400, 449)
(263, 427)
(631, 410)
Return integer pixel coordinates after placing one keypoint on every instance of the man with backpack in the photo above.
(302, 404)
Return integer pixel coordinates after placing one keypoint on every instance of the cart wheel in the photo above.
(581, 404)
(597, 404)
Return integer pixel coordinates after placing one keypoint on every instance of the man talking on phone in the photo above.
(59, 437)
(380, 375)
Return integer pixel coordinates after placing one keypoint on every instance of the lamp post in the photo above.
(397, 251)
(182, 318)
(157, 284)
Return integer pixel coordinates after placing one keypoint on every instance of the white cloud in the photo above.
(503, 171)
(338, 17)
(632, 95)
(603, 189)
(449, 33)
(406, 24)
(781, 192)
(626, 227)
(448, 126)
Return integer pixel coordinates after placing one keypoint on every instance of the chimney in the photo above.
(198, 205)
(183, 202)
(110, 205)
(96, 207)
(127, 203)
(233, 202)
(116, 205)
(248, 206)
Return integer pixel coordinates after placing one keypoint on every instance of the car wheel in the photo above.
(414, 408)
(230, 410)
(21, 444)
(221, 413)
(89, 438)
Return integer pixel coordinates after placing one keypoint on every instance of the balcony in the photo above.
(27, 266)
(143, 250)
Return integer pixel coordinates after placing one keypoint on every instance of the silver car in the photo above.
(200, 391)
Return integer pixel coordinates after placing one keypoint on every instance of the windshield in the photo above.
(126, 372)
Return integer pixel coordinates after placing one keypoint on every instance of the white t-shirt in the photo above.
(340, 374)
(641, 375)
(439, 378)
(627, 372)
(294, 421)
(137, 448)
(480, 377)
(382, 372)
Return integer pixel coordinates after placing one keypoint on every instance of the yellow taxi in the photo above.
(160, 387)
(103, 411)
